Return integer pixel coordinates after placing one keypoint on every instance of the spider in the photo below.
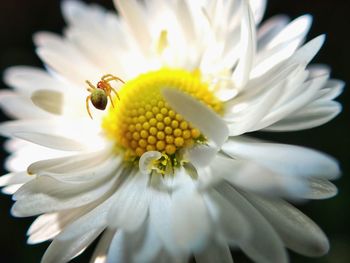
(100, 94)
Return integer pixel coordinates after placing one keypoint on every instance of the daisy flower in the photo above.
(138, 132)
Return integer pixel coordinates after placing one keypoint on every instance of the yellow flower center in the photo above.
(143, 121)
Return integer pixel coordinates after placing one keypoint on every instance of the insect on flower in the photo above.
(100, 94)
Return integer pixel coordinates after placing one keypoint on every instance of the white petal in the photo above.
(131, 203)
(28, 153)
(29, 79)
(10, 190)
(247, 46)
(15, 178)
(185, 19)
(73, 9)
(14, 145)
(63, 251)
(124, 246)
(254, 177)
(307, 92)
(269, 58)
(270, 28)
(90, 30)
(19, 107)
(208, 122)
(228, 220)
(165, 257)
(146, 161)
(286, 159)
(320, 189)
(332, 89)
(313, 115)
(95, 218)
(258, 9)
(189, 221)
(48, 226)
(86, 176)
(296, 230)
(150, 247)
(106, 51)
(33, 131)
(307, 52)
(296, 30)
(135, 17)
(201, 155)
(215, 253)
(51, 141)
(58, 54)
(119, 252)
(98, 215)
(182, 180)
(264, 245)
(205, 177)
(48, 100)
(161, 218)
(298, 86)
(70, 164)
(49, 194)
(100, 253)
(246, 120)
(318, 70)
(257, 87)
(30, 131)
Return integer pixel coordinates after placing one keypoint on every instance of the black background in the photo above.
(19, 19)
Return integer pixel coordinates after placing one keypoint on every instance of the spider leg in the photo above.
(87, 105)
(115, 92)
(106, 76)
(110, 98)
(110, 77)
(91, 87)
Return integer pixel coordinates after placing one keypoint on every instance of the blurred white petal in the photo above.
(264, 245)
(100, 253)
(297, 231)
(72, 248)
(286, 159)
(247, 47)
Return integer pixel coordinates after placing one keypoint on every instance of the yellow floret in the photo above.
(143, 121)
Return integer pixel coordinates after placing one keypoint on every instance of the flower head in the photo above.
(137, 132)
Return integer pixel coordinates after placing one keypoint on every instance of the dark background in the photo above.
(19, 19)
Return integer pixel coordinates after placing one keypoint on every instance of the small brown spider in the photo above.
(100, 94)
